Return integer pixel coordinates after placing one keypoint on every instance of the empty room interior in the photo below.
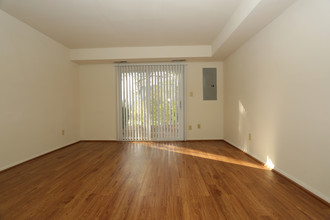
(164, 109)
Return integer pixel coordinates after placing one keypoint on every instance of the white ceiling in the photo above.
(125, 23)
(147, 30)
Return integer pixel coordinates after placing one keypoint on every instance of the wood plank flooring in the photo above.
(147, 180)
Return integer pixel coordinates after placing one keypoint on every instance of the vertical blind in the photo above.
(151, 101)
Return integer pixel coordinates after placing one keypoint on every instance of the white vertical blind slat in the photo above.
(169, 103)
(178, 101)
(181, 124)
(142, 102)
(174, 104)
(151, 106)
(139, 102)
(162, 103)
(170, 94)
(160, 98)
(131, 104)
(167, 106)
(157, 104)
(145, 88)
(123, 79)
(134, 104)
(148, 104)
(172, 100)
(126, 103)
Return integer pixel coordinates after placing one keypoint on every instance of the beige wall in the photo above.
(207, 113)
(98, 103)
(277, 87)
(38, 92)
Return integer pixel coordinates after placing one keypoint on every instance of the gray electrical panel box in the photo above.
(209, 84)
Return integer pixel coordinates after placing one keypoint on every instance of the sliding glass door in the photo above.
(151, 102)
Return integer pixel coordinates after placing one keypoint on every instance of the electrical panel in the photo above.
(209, 84)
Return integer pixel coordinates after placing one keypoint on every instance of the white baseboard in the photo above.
(297, 181)
(33, 157)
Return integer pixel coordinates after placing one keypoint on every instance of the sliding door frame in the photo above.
(119, 99)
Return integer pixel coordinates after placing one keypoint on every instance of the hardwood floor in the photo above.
(166, 180)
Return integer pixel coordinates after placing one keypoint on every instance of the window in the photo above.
(151, 102)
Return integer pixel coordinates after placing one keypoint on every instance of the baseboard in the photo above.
(4, 169)
(246, 153)
(188, 140)
(311, 191)
(99, 140)
(315, 193)
(197, 140)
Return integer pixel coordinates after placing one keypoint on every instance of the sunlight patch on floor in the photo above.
(201, 154)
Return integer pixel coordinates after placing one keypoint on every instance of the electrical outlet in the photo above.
(250, 137)
(198, 125)
(190, 127)
(191, 94)
(63, 132)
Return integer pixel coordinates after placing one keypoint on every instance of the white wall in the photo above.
(208, 113)
(98, 102)
(38, 91)
(277, 87)
(141, 53)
